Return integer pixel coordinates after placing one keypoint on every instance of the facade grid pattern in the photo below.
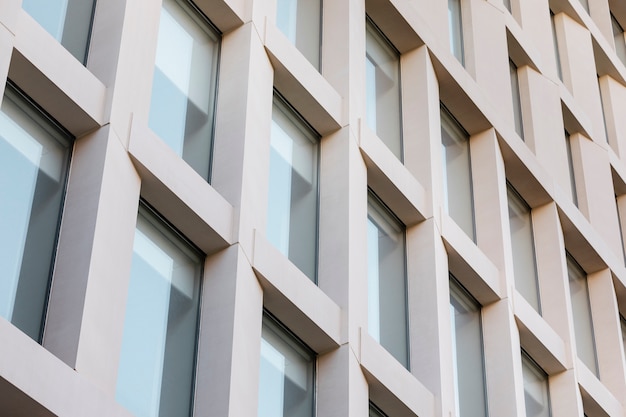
(444, 239)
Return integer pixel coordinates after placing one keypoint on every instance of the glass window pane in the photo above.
(300, 21)
(383, 89)
(581, 311)
(69, 21)
(620, 42)
(570, 164)
(467, 349)
(375, 411)
(517, 102)
(457, 174)
(34, 158)
(155, 376)
(455, 23)
(536, 394)
(183, 87)
(522, 244)
(507, 4)
(585, 4)
(386, 276)
(623, 322)
(293, 190)
(556, 47)
(287, 374)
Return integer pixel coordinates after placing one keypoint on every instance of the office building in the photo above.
(298, 208)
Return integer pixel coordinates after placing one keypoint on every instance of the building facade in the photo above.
(302, 208)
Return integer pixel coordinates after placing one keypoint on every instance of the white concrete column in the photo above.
(422, 123)
(132, 81)
(503, 366)
(543, 124)
(594, 186)
(87, 302)
(242, 131)
(552, 270)
(579, 71)
(565, 397)
(486, 53)
(490, 203)
(229, 345)
(537, 25)
(429, 305)
(614, 100)
(607, 332)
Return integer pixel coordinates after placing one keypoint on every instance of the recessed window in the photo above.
(375, 411)
(455, 22)
(34, 158)
(536, 393)
(507, 4)
(286, 375)
(157, 361)
(523, 246)
(582, 318)
(300, 21)
(69, 21)
(622, 320)
(292, 220)
(517, 101)
(555, 44)
(386, 280)
(458, 200)
(184, 84)
(467, 353)
(383, 89)
(618, 36)
(570, 164)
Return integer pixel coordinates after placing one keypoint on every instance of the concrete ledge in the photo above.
(597, 399)
(29, 371)
(391, 387)
(179, 193)
(295, 300)
(469, 265)
(55, 80)
(538, 339)
(392, 181)
(300, 83)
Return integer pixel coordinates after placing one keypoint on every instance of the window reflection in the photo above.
(34, 156)
(184, 83)
(155, 376)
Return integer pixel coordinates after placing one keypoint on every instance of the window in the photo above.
(467, 350)
(375, 411)
(184, 83)
(618, 36)
(536, 394)
(517, 102)
(507, 4)
(157, 361)
(386, 280)
(68, 21)
(457, 182)
(34, 158)
(555, 43)
(570, 164)
(623, 322)
(286, 375)
(455, 21)
(383, 89)
(581, 311)
(292, 220)
(300, 21)
(585, 4)
(523, 246)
